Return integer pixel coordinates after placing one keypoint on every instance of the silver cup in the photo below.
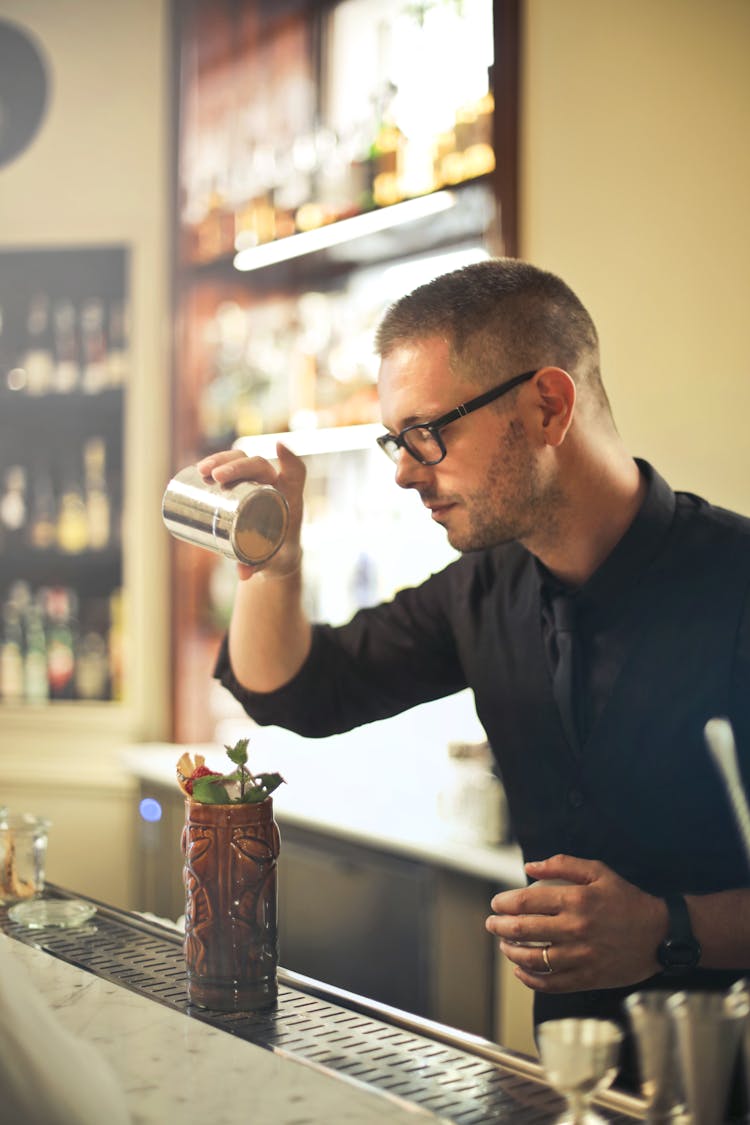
(656, 1048)
(739, 998)
(580, 1058)
(245, 521)
(708, 1027)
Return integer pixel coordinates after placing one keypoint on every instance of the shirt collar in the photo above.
(633, 553)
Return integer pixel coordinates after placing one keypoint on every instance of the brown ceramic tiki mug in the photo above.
(231, 938)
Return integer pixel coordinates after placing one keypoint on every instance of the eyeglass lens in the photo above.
(423, 444)
(420, 442)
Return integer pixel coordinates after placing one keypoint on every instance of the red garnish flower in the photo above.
(202, 771)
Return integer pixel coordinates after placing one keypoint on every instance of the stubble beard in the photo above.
(513, 504)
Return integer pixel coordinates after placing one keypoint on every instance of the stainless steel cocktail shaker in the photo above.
(245, 521)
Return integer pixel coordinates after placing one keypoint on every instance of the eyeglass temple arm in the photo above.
(482, 400)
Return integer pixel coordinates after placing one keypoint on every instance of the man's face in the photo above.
(487, 489)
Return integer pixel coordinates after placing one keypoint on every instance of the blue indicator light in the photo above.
(150, 809)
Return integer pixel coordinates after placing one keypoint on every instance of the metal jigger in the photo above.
(721, 743)
(580, 1057)
(708, 1028)
(654, 1035)
(739, 994)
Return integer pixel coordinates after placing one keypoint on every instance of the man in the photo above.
(599, 618)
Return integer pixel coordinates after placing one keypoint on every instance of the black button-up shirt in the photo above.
(663, 644)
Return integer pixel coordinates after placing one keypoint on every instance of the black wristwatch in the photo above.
(679, 952)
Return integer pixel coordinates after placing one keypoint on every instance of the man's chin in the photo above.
(469, 542)
(466, 537)
(463, 543)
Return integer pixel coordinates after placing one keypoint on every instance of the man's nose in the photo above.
(409, 473)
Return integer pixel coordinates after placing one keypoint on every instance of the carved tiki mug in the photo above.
(231, 937)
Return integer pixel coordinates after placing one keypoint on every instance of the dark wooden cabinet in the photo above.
(403, 932)
(357, 918)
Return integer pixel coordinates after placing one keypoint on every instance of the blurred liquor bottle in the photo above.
(98, 508)
(67, 368)
(11, 651)
(13, 507)
(36, 685)
(38, 359)
(92, 658)
(72, 518)
(60, 607)
(117, 342)
(43, 520)
(94, 346)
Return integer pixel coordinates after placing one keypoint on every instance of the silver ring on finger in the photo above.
(545, 957)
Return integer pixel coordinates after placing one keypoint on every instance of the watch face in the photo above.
(679, 955)
(24, 90)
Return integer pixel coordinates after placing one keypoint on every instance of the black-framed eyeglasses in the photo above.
(423, 440)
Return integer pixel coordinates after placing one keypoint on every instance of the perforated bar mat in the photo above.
(456, 1084)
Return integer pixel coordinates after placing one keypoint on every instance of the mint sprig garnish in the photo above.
(254, 788)
(210, 791)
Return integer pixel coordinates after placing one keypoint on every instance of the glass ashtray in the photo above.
(41, 914)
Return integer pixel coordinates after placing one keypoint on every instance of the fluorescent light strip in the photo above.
(295, 245)
(332, 439)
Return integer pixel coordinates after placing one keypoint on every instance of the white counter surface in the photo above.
(171, 1068)
(352, 787)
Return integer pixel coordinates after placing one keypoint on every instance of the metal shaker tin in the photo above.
(244, 521)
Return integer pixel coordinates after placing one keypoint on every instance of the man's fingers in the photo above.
(207, 464)
(291, 467)
(227, 470)
(568, 868)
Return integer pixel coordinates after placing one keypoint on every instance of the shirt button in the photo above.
(575, 798)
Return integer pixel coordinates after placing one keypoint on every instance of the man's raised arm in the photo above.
(269, 634)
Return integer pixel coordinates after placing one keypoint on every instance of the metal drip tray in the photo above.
(458, 1077)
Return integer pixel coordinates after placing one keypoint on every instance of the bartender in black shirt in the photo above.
(599, 617)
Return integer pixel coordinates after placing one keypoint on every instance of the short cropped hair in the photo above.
(500, 317)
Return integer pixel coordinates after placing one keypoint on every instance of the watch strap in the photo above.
(680, 929)
(680, 951)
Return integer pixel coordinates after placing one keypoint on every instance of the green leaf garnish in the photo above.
(269, 781)
(254, 788)
(252, 796)
(238, 752)
(210, 791)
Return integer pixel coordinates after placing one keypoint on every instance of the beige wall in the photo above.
(636, 189)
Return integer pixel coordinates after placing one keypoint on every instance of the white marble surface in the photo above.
(378, 793)
(171, 1068)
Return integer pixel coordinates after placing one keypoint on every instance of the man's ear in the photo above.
(556, 397)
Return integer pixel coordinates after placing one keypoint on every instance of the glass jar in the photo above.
(23, 851)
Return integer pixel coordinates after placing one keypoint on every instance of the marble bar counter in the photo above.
(169, 1068)
(95, 1027)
